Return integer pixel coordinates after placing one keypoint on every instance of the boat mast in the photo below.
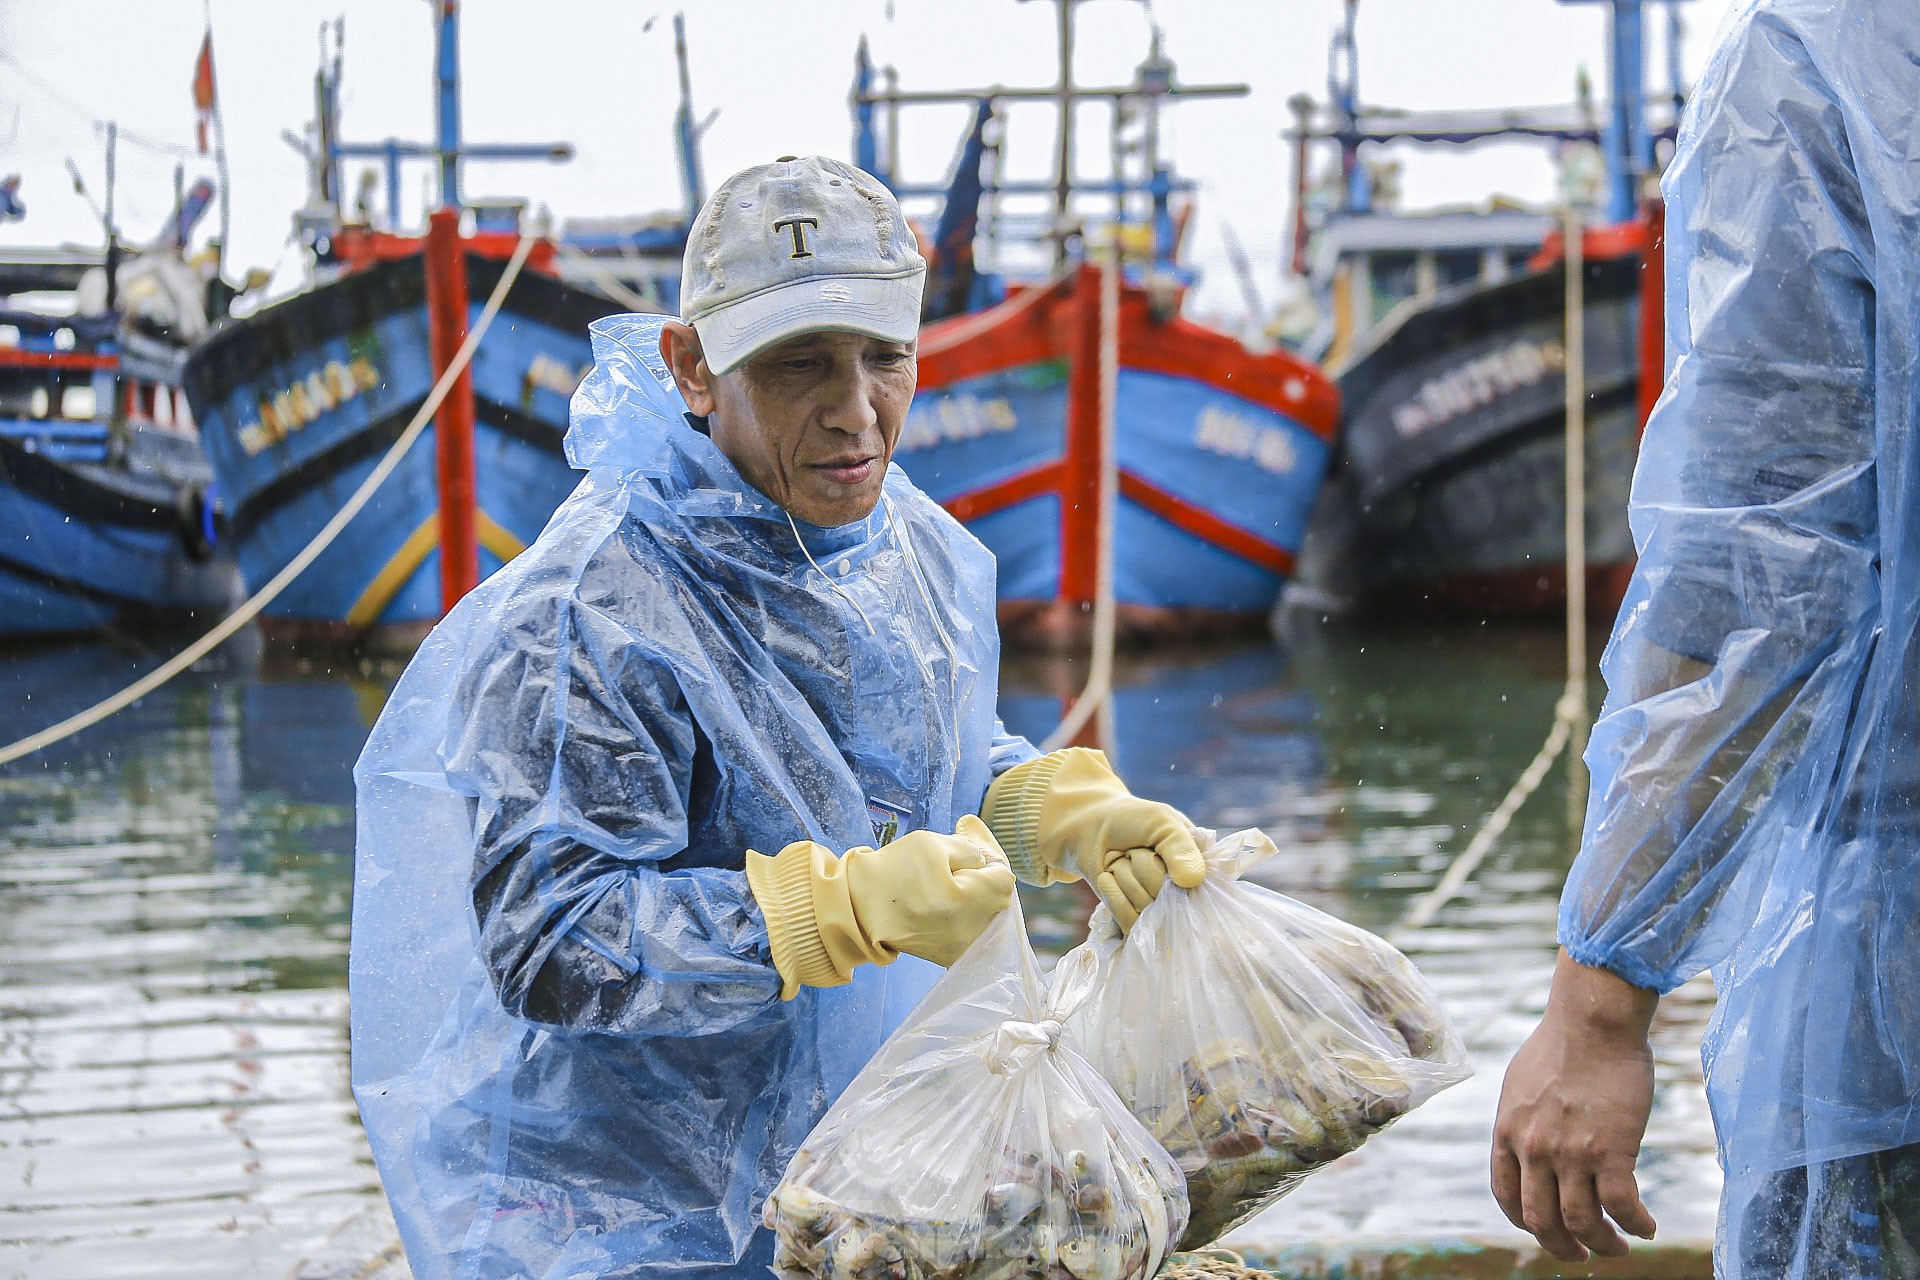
(113, 232)
(447, 103)
(1153, 82)
(866, 148)
(1343, 91)
(1063, 158)
(686, 133)
(448, 148)
(1628, 146)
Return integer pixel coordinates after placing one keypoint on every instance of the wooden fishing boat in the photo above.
(107, 513)
(1220, 449)
(1450, 494)
(299, 401)
(1446, 330)
(1220, 452)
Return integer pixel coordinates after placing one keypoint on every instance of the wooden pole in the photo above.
(453, 426)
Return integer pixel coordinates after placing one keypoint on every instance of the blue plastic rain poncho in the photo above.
(1756, 771)
(568, 1044)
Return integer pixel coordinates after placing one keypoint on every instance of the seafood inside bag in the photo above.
(1257, 1038)
(977, 1146)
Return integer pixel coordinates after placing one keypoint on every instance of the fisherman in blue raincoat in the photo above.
(1755, 808)
(670, 822)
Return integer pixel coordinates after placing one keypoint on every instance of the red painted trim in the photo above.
(1015, 333)
(19, 358)
(1006, 493)
(1275, 380)
(1080, 478)
(1205, 525)
(453, 425)
(1616, 241)
(360, 248)
(1045, 330)
(1653, 310)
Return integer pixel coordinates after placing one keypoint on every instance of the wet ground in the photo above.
(174, 892)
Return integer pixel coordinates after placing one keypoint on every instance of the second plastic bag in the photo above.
(1256, 1037)
(976, 1146)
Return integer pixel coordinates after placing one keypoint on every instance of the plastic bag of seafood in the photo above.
(1257, 1038)
(977, 1146)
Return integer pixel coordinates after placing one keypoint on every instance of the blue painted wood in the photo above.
(1258, 470)
(341, 370)
(85, 545)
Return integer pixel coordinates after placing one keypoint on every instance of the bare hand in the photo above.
(1573, 1110)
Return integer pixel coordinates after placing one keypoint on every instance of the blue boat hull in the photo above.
(298, 403)
(1220, 452)
(86, 545)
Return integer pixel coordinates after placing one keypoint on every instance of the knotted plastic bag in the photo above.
(1256, 1037)
(977, 1146)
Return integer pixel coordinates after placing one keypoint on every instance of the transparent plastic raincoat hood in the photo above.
(568, 1044)
(1755, 806)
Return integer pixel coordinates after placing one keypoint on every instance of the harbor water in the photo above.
(175, 886)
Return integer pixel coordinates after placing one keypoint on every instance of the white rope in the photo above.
(994, 316)
(1570, 713)
(608, 283)
(1567, 712)
(1575, 262)
(241, 616)
(1097, 696)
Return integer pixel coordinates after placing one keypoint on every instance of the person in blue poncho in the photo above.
(1755, 807)
(670, 822)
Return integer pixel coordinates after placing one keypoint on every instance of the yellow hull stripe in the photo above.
(497, 538)
(413, 553)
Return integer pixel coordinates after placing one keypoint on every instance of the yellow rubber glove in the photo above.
(926, 894)
(1066, 816)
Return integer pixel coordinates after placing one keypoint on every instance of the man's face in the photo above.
(811, 422)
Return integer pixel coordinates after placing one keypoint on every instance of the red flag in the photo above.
(203, 89)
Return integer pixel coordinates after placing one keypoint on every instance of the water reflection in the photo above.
(173, 910)
(174, 901)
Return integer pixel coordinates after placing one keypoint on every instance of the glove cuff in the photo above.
(790, 888)
(1012, 812)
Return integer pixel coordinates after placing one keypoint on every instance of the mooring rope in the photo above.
(1571, 709)
(608, 283)
(1213, 1263)
(248, 610)
(1570, 713)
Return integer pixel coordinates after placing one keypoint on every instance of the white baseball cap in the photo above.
(794, 247)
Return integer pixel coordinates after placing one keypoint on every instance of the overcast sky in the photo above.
(590, 72)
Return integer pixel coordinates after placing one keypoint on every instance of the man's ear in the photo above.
(680, 348)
